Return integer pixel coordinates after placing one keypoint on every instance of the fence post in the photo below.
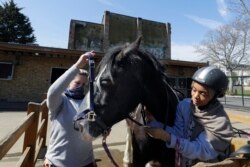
(242, 91)
(31, 134)
(44, 116)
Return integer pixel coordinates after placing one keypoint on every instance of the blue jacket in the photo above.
(199, 148)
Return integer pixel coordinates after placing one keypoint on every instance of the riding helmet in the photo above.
(213, 78)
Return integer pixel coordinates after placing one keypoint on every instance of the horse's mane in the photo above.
(160, 70)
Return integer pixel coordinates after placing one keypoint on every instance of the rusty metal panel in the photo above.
(122, 29)
(155, 37)
(86, 36)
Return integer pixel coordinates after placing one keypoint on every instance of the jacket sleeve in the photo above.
(55, 92)
(200, 148)
(178, 128)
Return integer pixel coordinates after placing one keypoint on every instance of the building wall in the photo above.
(31, 77)
(180, 77)
(32, 72)
(181, 71)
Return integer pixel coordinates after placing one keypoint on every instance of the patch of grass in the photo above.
(246, 92)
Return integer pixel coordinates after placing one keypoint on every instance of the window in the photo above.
(183, 84)
(6, 70)
(56, 73)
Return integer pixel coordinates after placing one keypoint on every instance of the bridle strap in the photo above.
(91, 96)
(143, 116)
(91, 80)
(133, 120)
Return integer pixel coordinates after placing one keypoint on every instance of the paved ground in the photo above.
(10, 119)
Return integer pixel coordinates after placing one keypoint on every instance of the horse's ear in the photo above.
(133, 47)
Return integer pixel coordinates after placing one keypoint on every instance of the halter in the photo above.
(89, 114)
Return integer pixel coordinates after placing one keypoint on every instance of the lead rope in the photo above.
(105, 146)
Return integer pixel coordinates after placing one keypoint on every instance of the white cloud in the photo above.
(212, 24)
(184, 52)
(107, 2)
(222, 8)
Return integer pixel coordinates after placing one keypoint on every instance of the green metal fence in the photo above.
(238, 93)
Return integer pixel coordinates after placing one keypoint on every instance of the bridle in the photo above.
(89, 114)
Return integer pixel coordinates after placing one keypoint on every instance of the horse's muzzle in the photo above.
(88, 122)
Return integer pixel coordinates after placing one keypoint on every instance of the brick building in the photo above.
(26, 72)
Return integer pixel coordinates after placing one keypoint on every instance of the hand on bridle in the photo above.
(82, 61)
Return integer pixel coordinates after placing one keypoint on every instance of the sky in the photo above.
(190, 19)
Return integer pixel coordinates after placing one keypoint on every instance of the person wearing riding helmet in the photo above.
(202, 130)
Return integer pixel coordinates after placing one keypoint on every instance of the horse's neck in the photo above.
(158, 101)
(159, 97)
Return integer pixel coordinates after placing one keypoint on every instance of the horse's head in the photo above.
(126, 77)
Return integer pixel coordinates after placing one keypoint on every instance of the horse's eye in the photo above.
(104, 82)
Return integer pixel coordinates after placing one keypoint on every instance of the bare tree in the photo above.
(226, 46)
(240, 7)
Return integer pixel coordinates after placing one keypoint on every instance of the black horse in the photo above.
(128, 76)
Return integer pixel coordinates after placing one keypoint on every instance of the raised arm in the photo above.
(55, 92)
